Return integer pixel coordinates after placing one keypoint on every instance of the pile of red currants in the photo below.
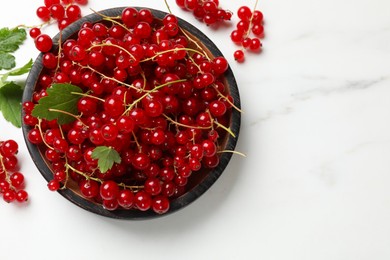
(251, 23)
(152, 97)
(11, 180)
(207, 11)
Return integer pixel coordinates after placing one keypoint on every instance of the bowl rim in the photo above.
(177, 203)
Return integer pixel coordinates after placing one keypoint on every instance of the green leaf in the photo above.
(10, 103)
(106, 157)
(18, 71)
(11, 39)
(7, 61)
(60, 103)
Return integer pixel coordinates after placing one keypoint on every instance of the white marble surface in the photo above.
(316, 131)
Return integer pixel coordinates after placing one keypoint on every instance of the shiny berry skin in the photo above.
(110, 204)
(43, 13)
(239, 56)
(17, 179)
(9, 147)
(109, 190)
(53, 185)
(21, 196)
(34, 32)
(73, 12)
(126, 199)
(43, 43)
(9, 196)
(142, 200)
(244, 13)
(160, 204)
(89, 188)
(130, 16)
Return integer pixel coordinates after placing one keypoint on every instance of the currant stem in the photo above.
(250, 20)
(194, 42)
(88, 177)
(87, 95)
(184, 125)
(232, 151)
(167, 5)
(112, 45)
(107, 77)
(41, 133)
(227, 100)
(151, 91)
(173, 50)
(59, 51)
(227, 129)
(7, 178)
(67, 113)
(111, 19)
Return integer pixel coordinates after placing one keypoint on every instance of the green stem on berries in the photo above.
(173, 50)
(107, 77)
(227, 100)
(194, 42)
(227, 129)
(136, 141)
(112, 19)
(250, 20)
(67, 113)
(7, 178)
(87, 95)
(59, 52)
(23, 26)
(167, 5)
(88, 177)
(184, 125)
(232, 151)
(41, 133)
(112, 45)
(151, 91)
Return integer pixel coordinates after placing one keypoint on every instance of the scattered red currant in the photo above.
(207, 11)
(151, 95)
(11, 181)
(248, 32)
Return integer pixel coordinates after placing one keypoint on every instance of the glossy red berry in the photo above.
(43, 43)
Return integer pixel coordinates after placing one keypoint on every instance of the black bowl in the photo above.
(197, 186)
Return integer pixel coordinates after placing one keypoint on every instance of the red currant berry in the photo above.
(53, 185)
(239, 56)
(9, 147)
(43, 43)
(126, 199)
(244, 13)
(143, 200)
(21, 196)
(160, 204)
(109, 190)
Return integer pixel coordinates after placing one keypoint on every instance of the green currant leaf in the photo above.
(7, 61)
(60, 103)
(19, 71)
(11, 39)
(10, 103)
(106, 157)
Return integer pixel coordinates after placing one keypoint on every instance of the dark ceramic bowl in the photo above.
(196, 185)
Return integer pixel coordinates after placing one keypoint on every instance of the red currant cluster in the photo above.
(151, 93)
(11, 180)
(250, 22)
(63, 11)
(207, 11)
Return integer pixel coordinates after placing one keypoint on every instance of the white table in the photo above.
(315, 129)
